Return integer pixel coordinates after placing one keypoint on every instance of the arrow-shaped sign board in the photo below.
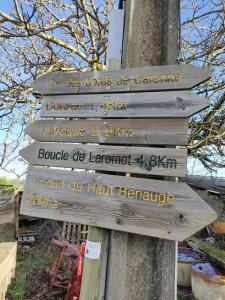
(149, 104)
(173, 131)
(163, 209)
(156, 78)
(141, 160)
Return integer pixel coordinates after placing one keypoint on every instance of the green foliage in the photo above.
(4, 181)
(218, 236)
(5, 185)
(181, 296)
(210, 249)
(21, 288)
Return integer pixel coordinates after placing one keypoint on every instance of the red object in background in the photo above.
(62, 250)
(74, 287)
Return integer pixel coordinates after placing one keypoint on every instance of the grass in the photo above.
(181, 296)
(210, 249)
(21, 288)
(31, 282)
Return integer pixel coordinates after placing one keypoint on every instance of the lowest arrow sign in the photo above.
(155, 104)
(167, 210)
(170, 77)
(155, 161)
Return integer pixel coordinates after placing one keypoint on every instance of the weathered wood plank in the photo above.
(156, 104)
(154, 161)
(7, 265)
(168, 77)
(164, 209)
(93, 267)
(116, 131)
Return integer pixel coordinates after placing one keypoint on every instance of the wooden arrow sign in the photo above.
(154, 161)
(169, 77)
(154, 104)
(163, 131)
(162, 209)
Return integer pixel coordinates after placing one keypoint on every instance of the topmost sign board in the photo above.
(157, 78)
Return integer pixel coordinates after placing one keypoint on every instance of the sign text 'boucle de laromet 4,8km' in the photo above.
(143, 160)
(123, 159)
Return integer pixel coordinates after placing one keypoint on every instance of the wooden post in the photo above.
(140, 267)
(17, 217)
(91, 282)
(94, 276)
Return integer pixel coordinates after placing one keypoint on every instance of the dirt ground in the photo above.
(31, 281)
(40, 289)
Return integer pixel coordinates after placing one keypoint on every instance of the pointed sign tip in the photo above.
(23, 153)
(154, 78)
(27, 129)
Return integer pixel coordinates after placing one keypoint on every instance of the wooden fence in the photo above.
(74, 233)
(7, 265)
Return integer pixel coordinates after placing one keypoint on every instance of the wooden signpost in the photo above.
(173, 131)
(154, 161)
(168, 210)
(144, 106)
(150, 207)
(156, 78)
(155, 104)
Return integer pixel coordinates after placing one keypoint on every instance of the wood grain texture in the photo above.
(96, 199)
(7, 265)
(155, 104)
(116, 131)
(168, 77)
(145, 267)
(141, 160)
(90, 288)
